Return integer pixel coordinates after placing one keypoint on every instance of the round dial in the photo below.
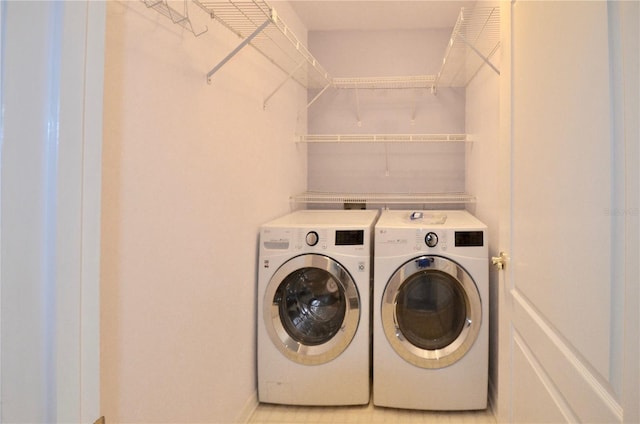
(431, 239)
(312, 238)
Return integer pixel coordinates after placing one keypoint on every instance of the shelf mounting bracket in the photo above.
(264, 105)
(414, 108)
(237, 49)
(476, 51)
(359, 119)
(318, 95)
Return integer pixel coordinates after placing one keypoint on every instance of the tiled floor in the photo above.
(269, 414)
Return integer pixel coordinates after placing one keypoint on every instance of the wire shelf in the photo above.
(475, 38)
(417, 81)
(382, 138)
(177, 17)
(258, 22)
(311, 197)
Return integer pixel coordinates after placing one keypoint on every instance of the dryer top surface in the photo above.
(445, 219)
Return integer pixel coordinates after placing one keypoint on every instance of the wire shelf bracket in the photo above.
(479, 53)
(290, 76)
(235, 51)
(257, 23)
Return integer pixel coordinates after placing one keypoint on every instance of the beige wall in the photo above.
(190, 172)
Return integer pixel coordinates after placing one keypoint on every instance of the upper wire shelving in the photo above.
(397, 82)
(178, 17)
(475, 38)
(260, 26)
(382, 138)
(311, 197)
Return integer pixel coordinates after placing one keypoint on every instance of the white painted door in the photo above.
(569, 221)
(51, 58)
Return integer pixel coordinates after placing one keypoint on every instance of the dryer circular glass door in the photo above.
(311, 309)
(431, 311)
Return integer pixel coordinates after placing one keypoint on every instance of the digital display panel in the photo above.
(349, 237)
(469, 238)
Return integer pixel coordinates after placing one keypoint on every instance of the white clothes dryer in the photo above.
(314, 292)
(430, 311)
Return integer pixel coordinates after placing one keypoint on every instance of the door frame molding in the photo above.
(91, 210)
(71, 49)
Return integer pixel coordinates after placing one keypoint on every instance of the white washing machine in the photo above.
(430, 311)
(314, 292)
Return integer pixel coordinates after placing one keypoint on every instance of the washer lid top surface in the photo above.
(431, 311)
(326, 219)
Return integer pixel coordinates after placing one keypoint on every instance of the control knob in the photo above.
(312, 238)
(431, 239)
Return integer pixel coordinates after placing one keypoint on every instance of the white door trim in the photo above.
(91, 208)
(50, 158)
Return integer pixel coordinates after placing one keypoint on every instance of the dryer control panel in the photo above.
(429, 240)
(450, 232)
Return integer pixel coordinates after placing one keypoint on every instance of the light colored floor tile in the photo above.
(269, 414)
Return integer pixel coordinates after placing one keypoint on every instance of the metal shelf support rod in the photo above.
(318, 95)
(237, 49)
(264, 105)
(472, 47)
(414, 108)
(359, 120)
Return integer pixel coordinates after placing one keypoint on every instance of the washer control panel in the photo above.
(317, 239)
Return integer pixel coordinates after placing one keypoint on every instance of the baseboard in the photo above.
(249, 407)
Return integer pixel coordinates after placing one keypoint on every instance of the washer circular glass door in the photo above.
(311, 309)
(431, 311)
